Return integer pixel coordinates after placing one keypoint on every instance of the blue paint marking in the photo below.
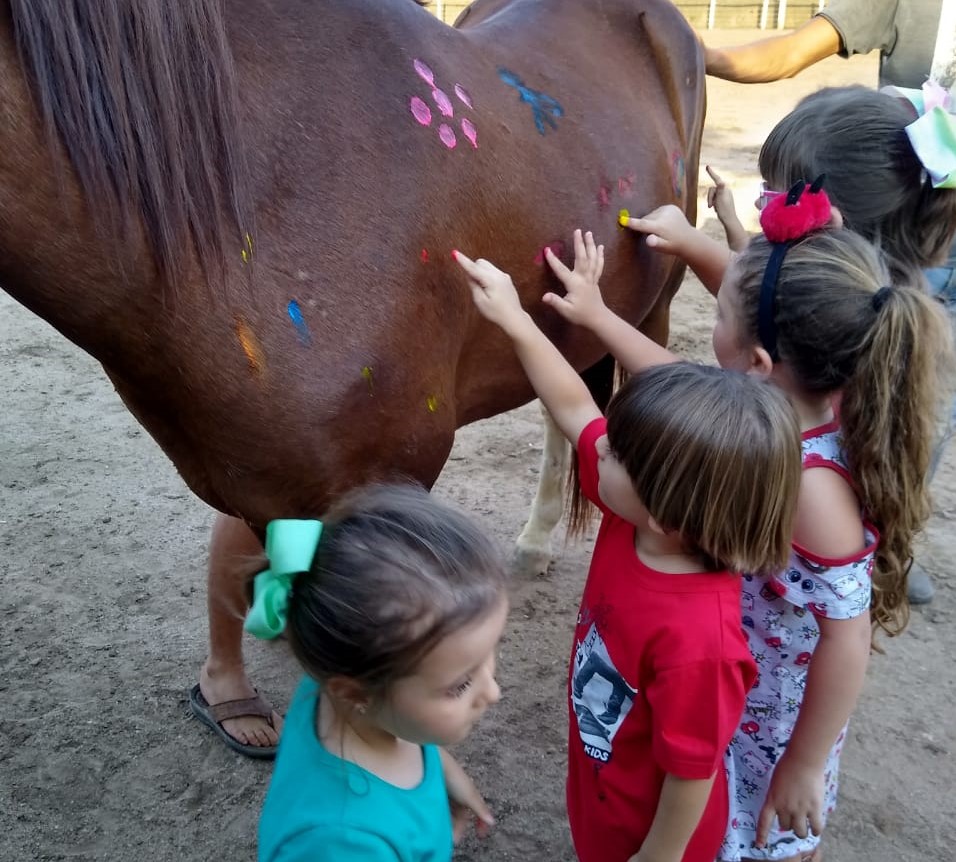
(678, 170)
(544, 107)
(298, 321)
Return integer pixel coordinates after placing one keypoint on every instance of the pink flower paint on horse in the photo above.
(245, 212)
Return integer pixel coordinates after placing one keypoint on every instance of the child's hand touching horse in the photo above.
(494, 293)
(582, 302)
(669, 232)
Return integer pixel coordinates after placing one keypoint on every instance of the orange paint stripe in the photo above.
(251, 347)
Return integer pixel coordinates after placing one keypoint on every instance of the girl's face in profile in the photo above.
(729, 339)
(450, 689)
(615, 487)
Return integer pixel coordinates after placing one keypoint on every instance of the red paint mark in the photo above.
(424, 255)
(425, 72)
(604, 196)
(469, 131)
(464, 95)
(447, 135)
(443, 102)
(557, 247)
(454, 254)
(420, 111)
(625, 185)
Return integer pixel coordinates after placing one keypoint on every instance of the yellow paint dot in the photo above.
(367, 374)
(247, 248)
(431, 402)
(622, 218)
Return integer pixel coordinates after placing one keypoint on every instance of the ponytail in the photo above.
(887, 350)
(888, 415)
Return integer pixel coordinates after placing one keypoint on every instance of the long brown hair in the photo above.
(714, 456)
(888, 356)
(857, 137)
(142, 96)
(394, 573)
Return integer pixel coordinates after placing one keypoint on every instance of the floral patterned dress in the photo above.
(779, 616)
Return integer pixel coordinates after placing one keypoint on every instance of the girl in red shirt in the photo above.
(696, 473)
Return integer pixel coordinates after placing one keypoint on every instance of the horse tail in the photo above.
(143, 97)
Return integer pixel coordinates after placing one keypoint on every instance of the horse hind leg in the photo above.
(533, 552)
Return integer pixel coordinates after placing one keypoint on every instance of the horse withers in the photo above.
(245, 212)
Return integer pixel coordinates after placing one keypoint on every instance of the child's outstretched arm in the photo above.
(583, 304)
(828, 524)
(721, 200)
(556, 383)
(679, 809)
(668, 231)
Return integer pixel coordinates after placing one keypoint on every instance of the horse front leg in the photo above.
(533, 549)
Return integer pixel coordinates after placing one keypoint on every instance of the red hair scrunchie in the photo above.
(784, 219)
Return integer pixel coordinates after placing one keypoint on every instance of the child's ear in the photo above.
(348, 691)
(761, 365)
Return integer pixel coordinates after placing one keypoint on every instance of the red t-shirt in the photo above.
(659, 671)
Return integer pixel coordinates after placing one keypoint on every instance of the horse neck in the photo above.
(123, 181)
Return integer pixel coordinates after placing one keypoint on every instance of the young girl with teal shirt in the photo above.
(394, 606)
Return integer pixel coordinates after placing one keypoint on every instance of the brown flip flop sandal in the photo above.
(213, 716)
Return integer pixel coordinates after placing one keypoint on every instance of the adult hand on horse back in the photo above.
(582, 302)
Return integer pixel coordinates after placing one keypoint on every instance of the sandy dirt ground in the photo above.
(102, 625)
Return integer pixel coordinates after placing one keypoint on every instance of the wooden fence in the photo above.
(707, 14)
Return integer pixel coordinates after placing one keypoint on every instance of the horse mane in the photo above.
(143, 97)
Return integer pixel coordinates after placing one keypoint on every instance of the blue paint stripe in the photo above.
(298, 321)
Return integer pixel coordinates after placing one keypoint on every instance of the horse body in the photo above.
(338, 343)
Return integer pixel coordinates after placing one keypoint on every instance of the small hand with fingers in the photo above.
(467, 804)
(721, 200)
(667, 229)
(582, 301)
(795, 799)
(493, 291)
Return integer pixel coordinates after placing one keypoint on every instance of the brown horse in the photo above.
(245, 211)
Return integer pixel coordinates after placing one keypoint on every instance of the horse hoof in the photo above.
(531, 560)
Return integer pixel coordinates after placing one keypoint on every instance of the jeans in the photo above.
(942, 285)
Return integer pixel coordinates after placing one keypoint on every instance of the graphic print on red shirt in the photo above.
(659, 672)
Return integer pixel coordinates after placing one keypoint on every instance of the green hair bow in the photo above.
(933, 133)
(290, 547)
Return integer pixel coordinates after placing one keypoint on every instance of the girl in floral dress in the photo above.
(811, 307)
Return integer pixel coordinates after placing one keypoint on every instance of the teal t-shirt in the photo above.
(321, 808)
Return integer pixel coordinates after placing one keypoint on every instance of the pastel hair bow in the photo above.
(290, 547)
(933, 133)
